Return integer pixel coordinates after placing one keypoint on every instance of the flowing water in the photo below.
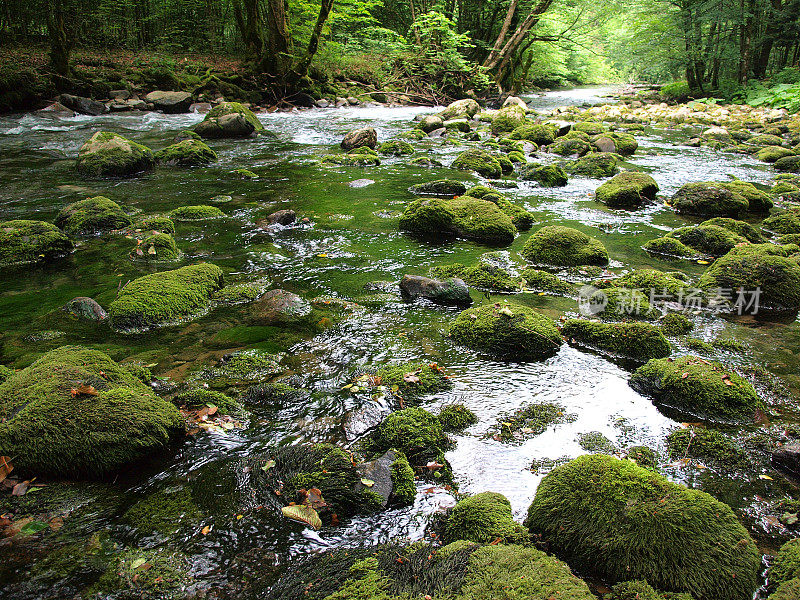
(351, 240)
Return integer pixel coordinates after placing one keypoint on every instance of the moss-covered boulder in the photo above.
(786, 565)
(545, 282)
(620, 521)
(598, 165)
(788, 164)
(396, 148)
(788, 590)
(639, 341)
(540, 134)
(666, 285)
(544, 175)
(507, 119)
(75, 413)
(675, 324)
(785, 222)
(188, 153)
(107, 154)
(671, 248)
(559, 246)
(466, 217)
(361, 156)
(708, 239)
(483, 518)
(693, 386)
(771, 154)
(479, 161)
(709, 199)
(757, 201)
(441, 188)
(627, 190)
(199, 212)
(158, 246)
(764, 267)
(508, 329)
(92, 216)
(749, 232)
(707, 445)
(23, 241)
(570, 146)
(164, 298)
(483, 275)
(460, 109)
(589, 127)
(229, 120)
(623, 144)
(156, 223)
(456, 417)
(522, 219)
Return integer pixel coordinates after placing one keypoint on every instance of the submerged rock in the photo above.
(559, 246)
(545, 175)
(92, 216)
(229, 120)
(280, 306)
(445, 188)
(76, 413)
(483, 518)
(157, 246)
(466, 217)
(597, 166)
(359, 138)
(85, 308)
(430, 123)
(200, 212)
(23, 242)
(623, 522)
(709, 199)
(107, 154)
(449, 291)
(165, 298)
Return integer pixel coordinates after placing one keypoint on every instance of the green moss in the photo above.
(596, 442)
(542, 281)
(416, 433)
(457, 417)
(508, 119)
(359, 157)
(589, 127)
(510, 330)
(640, 341)
(675, 324)
(521, 218)
(217, 123)
(414, 134)
(570, 146)
(188, 153)
(163, 512)
(706, 445)
(610, 517)
(242, 368)
(545, 175)
(708, 239)
(479, 161)
(24, 241)
(698, 387)
(466, 217)
(517, 157)
(164, 298)
(730, 345)
(758, 201)
(5, 373)
(159, 246)
(200, 212)
(765, 139)
(51, 430)
(698, 345)
(240, 293)
(443, 188)
(671, 248)
(742, 228)
(624, 143)
(633, 590)
(786, 222)
(483, 518)
(558, 246)
(598, 165)
(92, 216)
(149, 574)
(413, 380)
(786, 565)
(759, 266)
(709, 199)
(627, 190)
(788, 164)
(771, 154)
(671, 284)
(529, 421)
(107, 154)
(482, 275)
(156, 223)
(540, 134)
(396, 148)
(788, 590)
(198, 397)
(789, 239)
(425, 162)
(403, 489)
(505, 164)
(623, 303)
(244, 174)
(643, 456)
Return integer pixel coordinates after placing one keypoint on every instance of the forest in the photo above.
(434, 50)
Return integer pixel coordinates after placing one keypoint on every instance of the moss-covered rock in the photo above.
(241, 369)
(466, 217)
(707, 445)
(588, 127)
(396, 148)
(241, 293)
(245, 174)
(670, 284)
(627, 190)
(786, 565)
(610, 517)
(483, 518)
(92, 216)
(107, 154)
(483, 275)
(757, 201)
(199, 212)
(409, 382)
(541, 134)
(460, 109)
(164, 298)
(559, 246)
(23, 241)
(623, 144)
(163, 512)
(441, 188)
(229, 120)
(188, 153)
(76, 413)
(508, 118)
(543, 281)
(765, 139)
(639, 341)
(675, 324)
(156, 223)
(746, 230)
(764, 267)
(709, 199)
(771, 154)
(788, 164)
(671, 248)
(708, 239)
(522, 219)
(510, 330)
(479, 161)
(166, 578)
(598, 165)
(456, 417)
(198, 397)
(694, 386)
(544, 175)
(159, 246)
(788, 590)
(785, 222)
(362, 156)
(571, 146)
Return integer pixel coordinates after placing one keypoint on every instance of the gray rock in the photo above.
(359, 421)
(200, 108)
(85, 106)
(170, 102)
(787, 459)
(562, 127)
(360, 137)
(437, 133)
(515, 101)
(360, 183)
(116, 107)
(605, 144)
(430, 123)
(322, 103)
(280, 306)
(340, 102)
(443, 188)
(120, 95)
(453, 292)
(379, 471)
(282, 217)
(85, 308)
(136, 104)
(56, 110)
(353, 101)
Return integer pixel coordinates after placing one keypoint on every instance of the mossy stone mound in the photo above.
(786, 565)
(786, 222)
(541, 134)
(466, 217)
(460, 109)
(544, 175)
(675, 324)
(788, 164)
(77, 413)
(708, 239)
(156, 223)
(764, 267)
(23, 241)
(588, 127)
(707, 445)
(757, 201)
(199, 212)
(396, 148)
(442, 188)
(479, 161)
(623, 144)
(570, 146)
(483, 518)
(749, 232)
(229, 120)
(158, 246)
(107, 154)
(509, 330)
(507, 119)
(456, 417)
(164, 298)
(188, 153)
(639, 341)
(414, 380)
(709, 199)
(522, 219)
(670, 283)
(92, 216)
(483, 275)
(598, 165)
(627, 190)
(558, 246)
(689, 385)
(613, 518)
(671, 248)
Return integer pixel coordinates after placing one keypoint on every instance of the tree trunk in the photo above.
(501, 60)
(313, 44)
(498, 44)
(60, 40)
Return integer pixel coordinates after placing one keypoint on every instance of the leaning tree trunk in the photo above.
(313, 44)
(499, 62)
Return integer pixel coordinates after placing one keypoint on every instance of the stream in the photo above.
(350, 241)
